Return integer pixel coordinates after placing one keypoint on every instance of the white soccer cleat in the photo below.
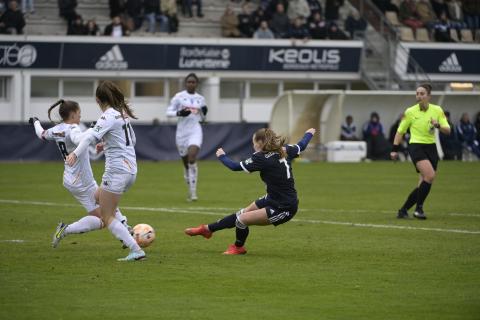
(59, 234)
(134, 256)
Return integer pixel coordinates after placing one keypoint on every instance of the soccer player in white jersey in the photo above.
(190, 108)
(79, 178)
(115, 129)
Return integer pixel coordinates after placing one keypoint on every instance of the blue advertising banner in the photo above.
(447, 61)
(162, 56)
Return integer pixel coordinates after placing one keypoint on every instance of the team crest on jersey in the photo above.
(59, 134)
(248, 161)
(103, 118)
(97, 128)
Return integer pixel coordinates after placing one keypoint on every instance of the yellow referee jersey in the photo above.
(420, 123)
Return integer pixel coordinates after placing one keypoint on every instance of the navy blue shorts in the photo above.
(277, 214)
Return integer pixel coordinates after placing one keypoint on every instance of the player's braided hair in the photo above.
(270, 141)
(66, 108)
(192, 75)
(109, 93)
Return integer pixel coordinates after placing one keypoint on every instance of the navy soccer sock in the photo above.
(224, 223)
(241, 235)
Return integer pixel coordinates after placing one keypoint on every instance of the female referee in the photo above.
(422, 119)
(77, 179)
(115, 129)
(190, 108)
(274, 161)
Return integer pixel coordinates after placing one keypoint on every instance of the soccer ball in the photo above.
(143, 234)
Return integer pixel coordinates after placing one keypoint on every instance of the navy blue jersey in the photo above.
(276, 173)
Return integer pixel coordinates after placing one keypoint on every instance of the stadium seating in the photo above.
(421, 35)
(466, 35)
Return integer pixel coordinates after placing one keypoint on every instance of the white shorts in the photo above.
(117, 182)
(195, 138)
(86, 197)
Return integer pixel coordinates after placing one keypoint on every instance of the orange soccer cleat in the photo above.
(201, 230)
(233, 249)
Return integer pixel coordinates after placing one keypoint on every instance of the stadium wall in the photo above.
(154, 142)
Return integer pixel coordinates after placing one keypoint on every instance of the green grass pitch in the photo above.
(345, 256)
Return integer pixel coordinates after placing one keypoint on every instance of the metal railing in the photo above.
(395, 57)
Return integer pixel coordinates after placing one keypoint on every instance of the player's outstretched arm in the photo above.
(227, 162)
(87, 139)
(38, 127)
(306, 138)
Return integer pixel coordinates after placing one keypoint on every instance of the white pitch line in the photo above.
(196, 211)
(14, 241)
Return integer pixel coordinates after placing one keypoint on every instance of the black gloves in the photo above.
(183, 113)
(204, 110)
(32, 120)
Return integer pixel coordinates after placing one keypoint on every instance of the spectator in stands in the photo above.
(348, 130)
(298, 30)
(467, 134)
(29, 4)
(76, 27)
(264, 32)
(117, 7)
(3, 6)
(151, 8)
(377, 146)
(229, 23)
(280, 22)
(67, 9)
(298, 8)
(116, 28)
(385, 5)
(169, 9)
(439, 6)
(471, 12)
(12, 21)
(273, 7)
(245, 21)
(91, 29)
(355, 25)
(426, 13)
(257, 17)
(477, 125)
(408, 14)
(318, 27)
(187, 8)
(331, 9)
(134, 10)
(403, 146)
(451, 146)
(334, 32)
(455, 14)
(442, 29)
(315, 6)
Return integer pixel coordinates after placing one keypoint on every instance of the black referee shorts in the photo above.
(422, 151)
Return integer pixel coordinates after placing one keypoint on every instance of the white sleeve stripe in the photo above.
(296, 145)
(243, 167)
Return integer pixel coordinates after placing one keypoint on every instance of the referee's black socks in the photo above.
(411, 200)
(423, 191)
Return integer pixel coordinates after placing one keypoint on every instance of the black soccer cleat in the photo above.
(419, 214)
(402, 214)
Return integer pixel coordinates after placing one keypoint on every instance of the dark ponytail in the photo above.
(66, 108)
(110, 94)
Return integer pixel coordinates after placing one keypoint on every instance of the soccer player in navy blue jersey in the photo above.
(274, 161)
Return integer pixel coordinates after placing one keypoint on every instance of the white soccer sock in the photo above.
(86, 224)
(185, 176)
(119, 216)
(121, 233)
(192, 177)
